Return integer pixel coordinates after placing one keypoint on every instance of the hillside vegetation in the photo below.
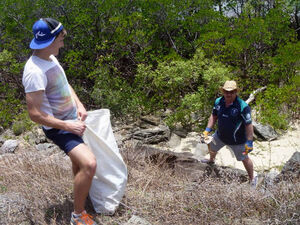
(139, 57)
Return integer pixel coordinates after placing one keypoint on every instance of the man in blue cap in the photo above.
(235, 128)
(52, 102)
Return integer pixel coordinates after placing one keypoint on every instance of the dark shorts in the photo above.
(64, 139)
(216, 144)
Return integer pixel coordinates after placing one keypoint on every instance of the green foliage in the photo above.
(140, 56)
(8, 104)
(184, 86)
(113, 92)
(250, 41)
(277, 106)
(22, 123)
(286, 63)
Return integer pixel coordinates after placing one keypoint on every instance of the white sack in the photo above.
(109, 183)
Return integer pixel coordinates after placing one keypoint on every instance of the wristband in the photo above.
(208, 129)
(249, 143)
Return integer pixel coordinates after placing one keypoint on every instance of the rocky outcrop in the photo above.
(152, 135)
(291, 170)
(185, 163)
(264, 132)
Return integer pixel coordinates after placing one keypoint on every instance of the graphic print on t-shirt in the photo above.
(59, 94)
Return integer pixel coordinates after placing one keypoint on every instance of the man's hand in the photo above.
(248, 147)
(76, 127)
(205, 138)
(207, 132)
(82, 114)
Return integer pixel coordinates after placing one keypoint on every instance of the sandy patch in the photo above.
(266, 156)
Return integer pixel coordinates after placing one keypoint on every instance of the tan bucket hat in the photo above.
(230, 85)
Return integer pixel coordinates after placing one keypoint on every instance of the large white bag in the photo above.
(109, 183)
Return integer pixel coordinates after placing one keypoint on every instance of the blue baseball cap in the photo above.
(45, 30)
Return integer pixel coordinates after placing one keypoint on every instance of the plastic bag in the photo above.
(109, 183)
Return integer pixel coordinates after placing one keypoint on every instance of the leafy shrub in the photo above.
(113, 92)
(22, 123)
(10, 106)
(277, 104)
(184, 86)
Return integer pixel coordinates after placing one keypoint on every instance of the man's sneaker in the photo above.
(254, 182)
(82, 219)
(207, 161)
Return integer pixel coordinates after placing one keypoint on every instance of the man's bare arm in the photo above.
(34, 102)
(82, 114)
(212, 121)
(249, 132)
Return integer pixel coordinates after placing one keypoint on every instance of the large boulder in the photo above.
(264, 132)
(186, 164)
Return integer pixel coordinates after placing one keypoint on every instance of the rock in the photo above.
(40, 136)
(153, 120)
(269, 178)
(2, 140)
(9, 146)
(45, 146)
(152, 136)
(185, 163)
(264, 132)
(291, 170)
(136, 220)
(174, 141)
(180, 131)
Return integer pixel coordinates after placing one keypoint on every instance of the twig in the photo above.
(133, 210)
(252, 95)
(149, 181)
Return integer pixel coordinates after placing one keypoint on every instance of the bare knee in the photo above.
(90, 167)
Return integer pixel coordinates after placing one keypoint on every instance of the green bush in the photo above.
(22, 123)
(10, 106)
(187, 87)
(277, 106)
(113, 92)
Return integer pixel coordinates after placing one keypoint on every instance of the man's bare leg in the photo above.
(212, 155)
(84, 167)
(249, 167)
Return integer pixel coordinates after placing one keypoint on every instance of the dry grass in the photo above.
(155, 192)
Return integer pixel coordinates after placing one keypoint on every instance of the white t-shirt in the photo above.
(49, 76)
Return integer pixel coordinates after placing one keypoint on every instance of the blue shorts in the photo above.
(216, 144)
(63, 139)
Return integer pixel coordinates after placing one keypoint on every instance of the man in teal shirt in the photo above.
(235, 128)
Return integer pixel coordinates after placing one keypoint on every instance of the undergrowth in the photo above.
(156, 192)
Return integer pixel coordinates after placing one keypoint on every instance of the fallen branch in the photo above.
(252, 95)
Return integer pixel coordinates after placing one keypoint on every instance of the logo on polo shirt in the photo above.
(234, 112)
(248, 116)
